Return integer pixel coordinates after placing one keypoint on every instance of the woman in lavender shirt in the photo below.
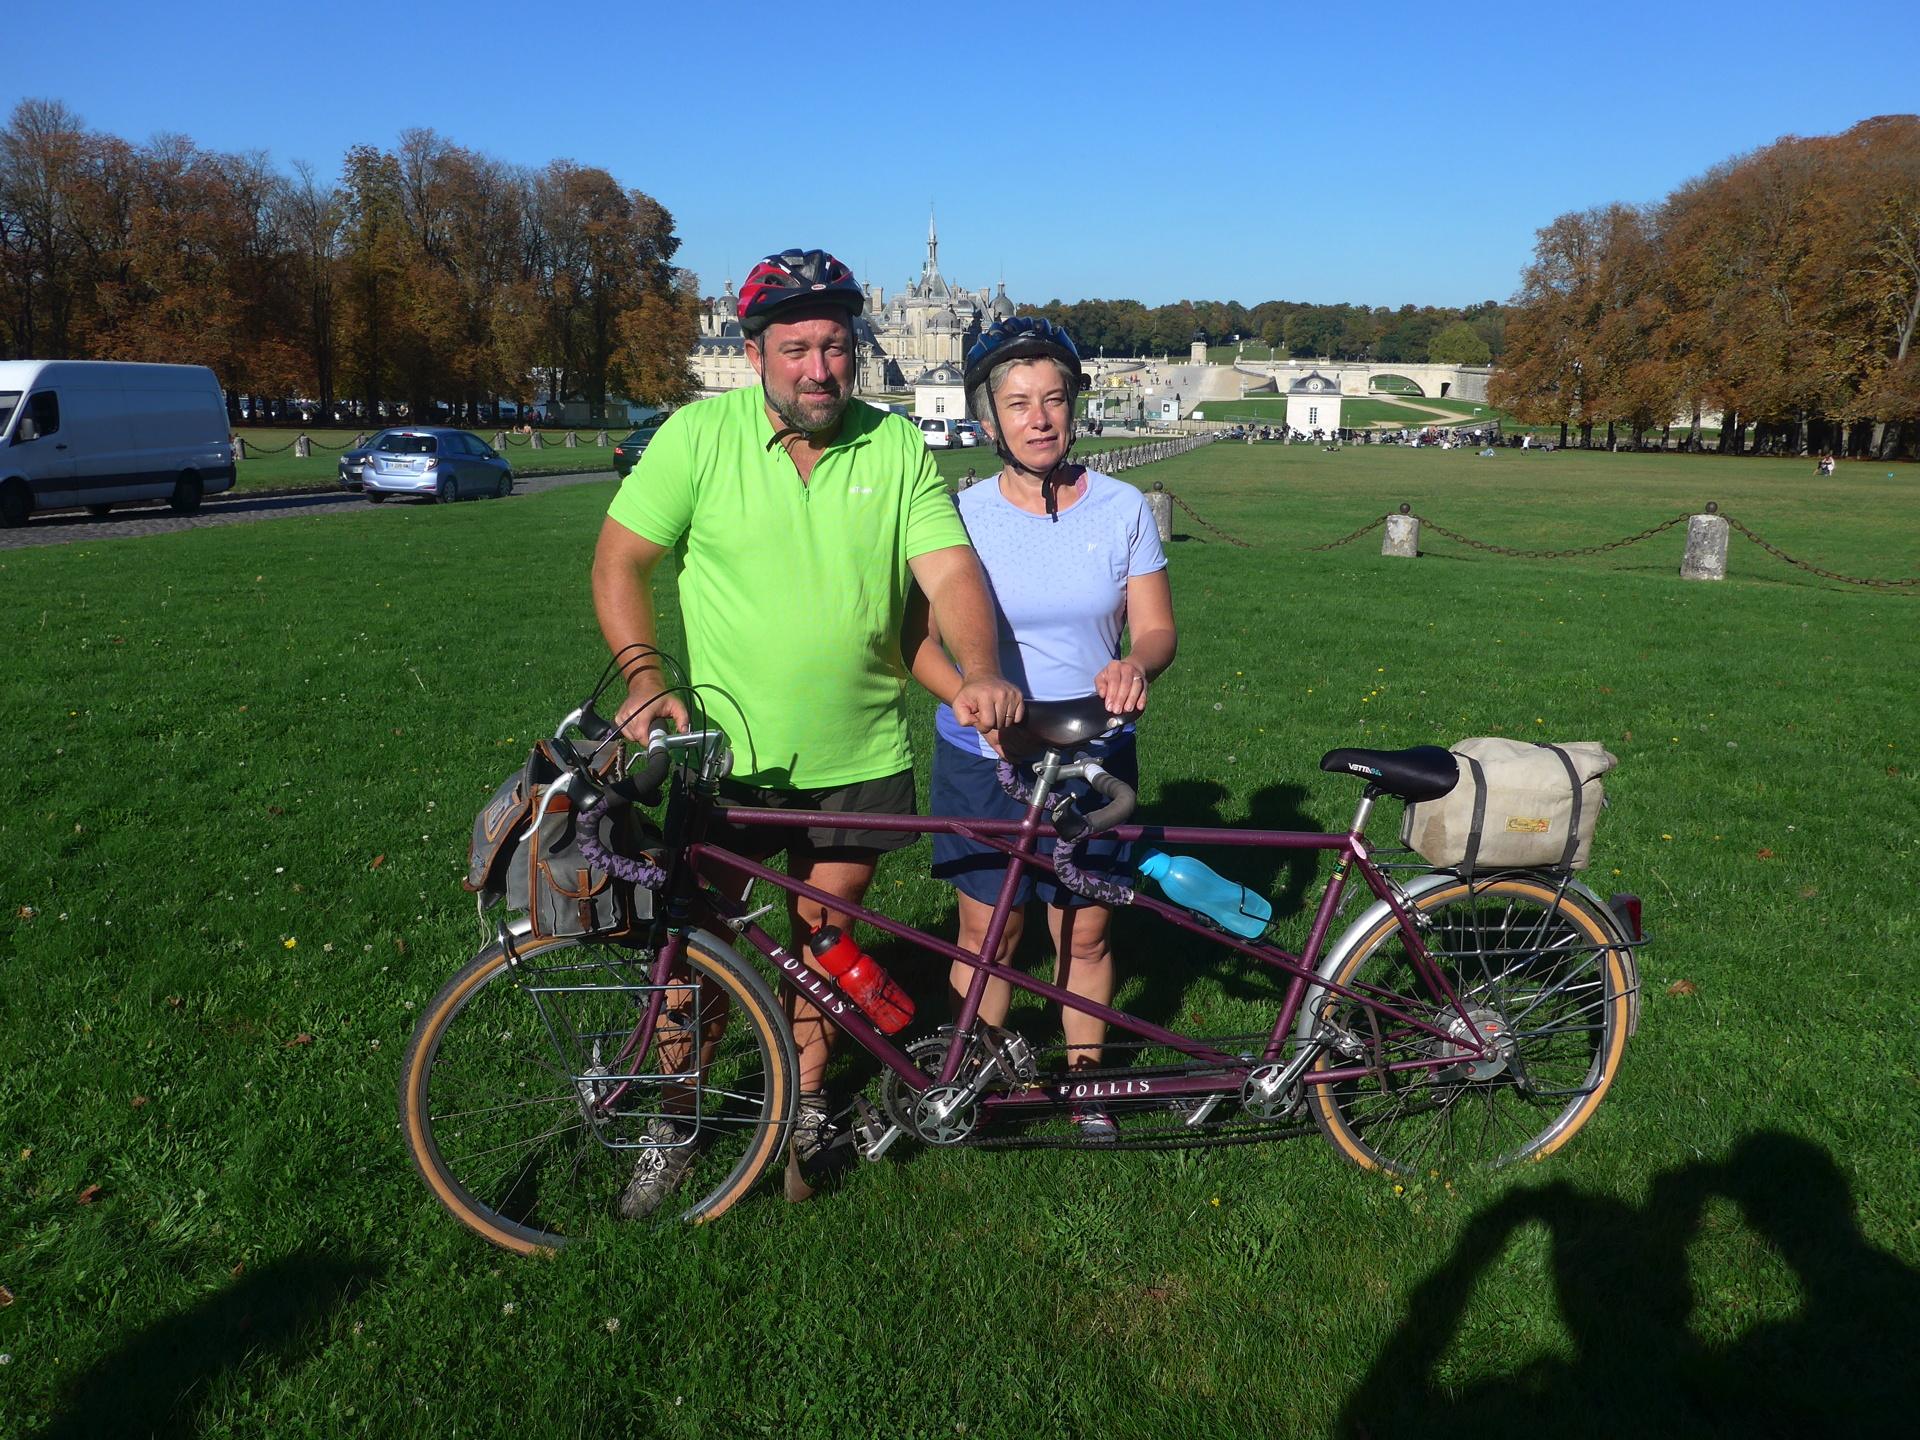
(1074, 562)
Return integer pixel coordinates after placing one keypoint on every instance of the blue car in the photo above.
(434, 463)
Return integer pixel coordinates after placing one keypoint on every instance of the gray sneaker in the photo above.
(658, 1169)
(820, 1149)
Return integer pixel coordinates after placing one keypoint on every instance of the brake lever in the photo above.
(563, 784)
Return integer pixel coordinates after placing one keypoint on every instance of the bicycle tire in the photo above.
(527, 1168)
(1542, 966)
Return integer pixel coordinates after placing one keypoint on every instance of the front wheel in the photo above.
(530, 1116)
(1544, 984)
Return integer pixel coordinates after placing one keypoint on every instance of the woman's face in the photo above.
(1035, 406)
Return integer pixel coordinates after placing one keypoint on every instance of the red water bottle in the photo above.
(884, 1003)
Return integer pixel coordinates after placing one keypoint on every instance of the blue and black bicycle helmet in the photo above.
(1024, 337)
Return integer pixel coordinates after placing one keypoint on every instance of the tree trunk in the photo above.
(1666, 437)
(1611, 445)
(1586, 436)
(1563, 434)
(1800, 425)
(1693, 435)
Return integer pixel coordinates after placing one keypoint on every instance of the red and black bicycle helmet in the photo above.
(792, 279)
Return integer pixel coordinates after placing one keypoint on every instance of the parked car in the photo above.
(629, 449)
(434, 463)
(939, 432)
(355, 460)
(100, 433)
(969, 432)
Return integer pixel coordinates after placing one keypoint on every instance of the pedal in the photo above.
(873, 1133)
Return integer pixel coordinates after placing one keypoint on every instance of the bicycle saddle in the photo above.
(1063, 724)
(1426, 772)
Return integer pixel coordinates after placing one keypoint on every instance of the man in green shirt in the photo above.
(800, 518)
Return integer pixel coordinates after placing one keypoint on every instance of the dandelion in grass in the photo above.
(289, 943)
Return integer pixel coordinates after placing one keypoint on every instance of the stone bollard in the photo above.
(499, 439)
(359, 441)
(1403, 535)
(302, 447)
(239, 447)
(572, 442)
(1706, 553)
(601, 439)
(534, 442)
(1160, 503)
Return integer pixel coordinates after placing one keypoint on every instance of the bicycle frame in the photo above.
(688, 902)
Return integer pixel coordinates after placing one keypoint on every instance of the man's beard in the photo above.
(790, 413)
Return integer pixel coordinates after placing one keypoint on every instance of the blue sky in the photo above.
(1377, 154)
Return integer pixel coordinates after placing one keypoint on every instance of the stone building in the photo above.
(928, 324)
(1313, 403)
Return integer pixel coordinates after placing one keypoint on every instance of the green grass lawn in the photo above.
(245, 763)
(1252, 350)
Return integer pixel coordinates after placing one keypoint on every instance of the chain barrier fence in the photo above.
(1909, 584)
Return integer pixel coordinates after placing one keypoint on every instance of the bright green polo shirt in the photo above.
(793, 594)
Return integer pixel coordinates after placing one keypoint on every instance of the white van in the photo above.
(100, 433)
(939, 433)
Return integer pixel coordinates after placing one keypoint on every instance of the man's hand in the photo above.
(646, 706)
(1122, 688)
(988, 704)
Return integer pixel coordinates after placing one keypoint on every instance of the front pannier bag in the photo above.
(1519, 804)
(544, 876)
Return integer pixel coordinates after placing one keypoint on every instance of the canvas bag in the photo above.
(544, 876)
(1519, 804)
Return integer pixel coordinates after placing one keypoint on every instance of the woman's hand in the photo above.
(1122, 688)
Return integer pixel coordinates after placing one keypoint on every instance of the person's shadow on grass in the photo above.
(1844, 1364)
(158, 1380)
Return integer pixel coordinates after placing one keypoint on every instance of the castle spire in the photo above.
(933, 242)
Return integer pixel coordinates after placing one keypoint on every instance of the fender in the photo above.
(1351, 937)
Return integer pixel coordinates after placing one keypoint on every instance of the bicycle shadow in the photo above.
(1843, 1364)
(158, 1380)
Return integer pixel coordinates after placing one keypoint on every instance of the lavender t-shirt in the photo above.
(1059, 590)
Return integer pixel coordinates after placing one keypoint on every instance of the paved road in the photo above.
(65, 526)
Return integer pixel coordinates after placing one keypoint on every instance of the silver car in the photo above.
(434, 462)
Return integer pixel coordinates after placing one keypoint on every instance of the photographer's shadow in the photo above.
(1843, 1364)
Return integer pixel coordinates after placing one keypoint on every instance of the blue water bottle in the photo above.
(1185, 881)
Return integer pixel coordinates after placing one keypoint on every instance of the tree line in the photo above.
(1781, 290)
(427, 274)
(1411, 334)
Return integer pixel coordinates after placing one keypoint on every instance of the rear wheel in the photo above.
(374, 497)
(504, 488)
(16, 503)
(445, 493)
(187, 493)
(526, 1119)
(1544, 986)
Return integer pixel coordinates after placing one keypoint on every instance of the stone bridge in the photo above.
(1455, 382)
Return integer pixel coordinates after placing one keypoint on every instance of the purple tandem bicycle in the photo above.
(1457, 1019)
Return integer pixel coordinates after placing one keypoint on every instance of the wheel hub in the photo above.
(1489, 1032)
